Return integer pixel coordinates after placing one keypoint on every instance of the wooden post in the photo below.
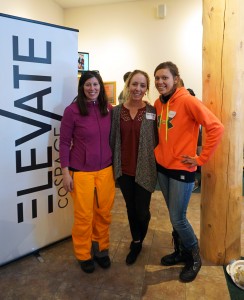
(223, 94)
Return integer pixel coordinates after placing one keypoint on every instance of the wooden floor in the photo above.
(57, 275)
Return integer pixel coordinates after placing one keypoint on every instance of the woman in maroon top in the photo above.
(133, 139)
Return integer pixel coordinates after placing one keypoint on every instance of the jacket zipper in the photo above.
(94, 103)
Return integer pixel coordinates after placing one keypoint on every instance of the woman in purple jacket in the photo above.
(86, 161)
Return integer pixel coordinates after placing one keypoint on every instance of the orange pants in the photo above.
(93, 197)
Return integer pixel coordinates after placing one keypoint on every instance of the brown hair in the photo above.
(168, 65)
(81, 97)
(128, 81)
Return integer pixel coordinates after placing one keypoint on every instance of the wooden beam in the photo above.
(223, 94)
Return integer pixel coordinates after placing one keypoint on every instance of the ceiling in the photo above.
(78, 3)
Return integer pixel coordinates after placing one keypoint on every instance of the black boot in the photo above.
(135, 249)
(192, 267)
(87, 265)
(178, 256)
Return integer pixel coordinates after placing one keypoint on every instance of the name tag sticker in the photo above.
(150, 116)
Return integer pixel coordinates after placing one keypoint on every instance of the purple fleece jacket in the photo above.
(84, 140)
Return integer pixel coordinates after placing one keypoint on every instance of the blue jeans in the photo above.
(177, 196)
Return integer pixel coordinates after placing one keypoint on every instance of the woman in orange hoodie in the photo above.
(179, 115)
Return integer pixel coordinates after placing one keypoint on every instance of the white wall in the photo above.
(122, 37)
(44, 10)
(126, 36)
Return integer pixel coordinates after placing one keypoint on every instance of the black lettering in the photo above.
(39, 104)
(34, 209)
(56, 145)
(18, 77)
(31, 57)
(63, 205)
(49, 185)
(58, 172)
(62, 194)
(57, 160)
(50, 204)
(56, 134)
(43, 127)
(20, 212)
(34, 165)
(57, 183)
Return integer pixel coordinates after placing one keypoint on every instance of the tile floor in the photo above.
(55, 274)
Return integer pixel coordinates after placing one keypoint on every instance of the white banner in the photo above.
(38, 79)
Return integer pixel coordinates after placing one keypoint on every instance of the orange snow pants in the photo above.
(93, 197)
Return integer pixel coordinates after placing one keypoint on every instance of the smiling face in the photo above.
(91, 89)
(165, 82)
(138, 86)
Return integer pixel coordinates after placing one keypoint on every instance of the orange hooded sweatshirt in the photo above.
(178, 127)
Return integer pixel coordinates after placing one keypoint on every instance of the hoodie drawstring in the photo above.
(166, 119)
